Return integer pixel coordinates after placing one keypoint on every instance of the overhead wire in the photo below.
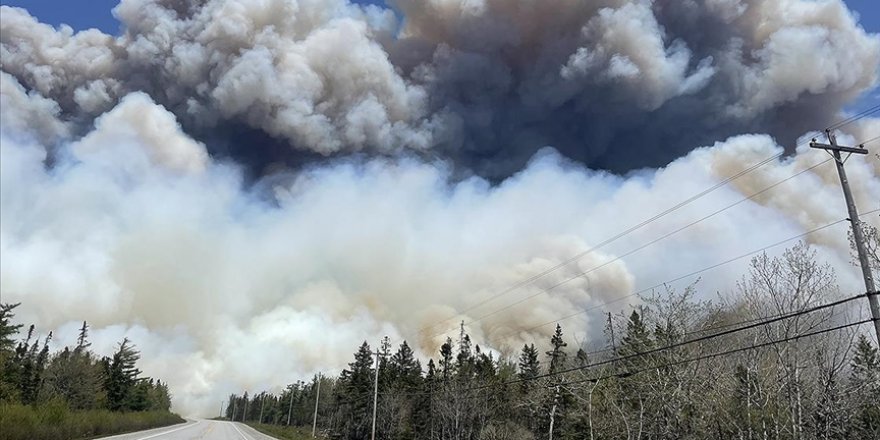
(609, 240)
(726, 352)
(672, 346)
(702, 338)
(533, 278)
(632, 251)
(681, 277)
(849, 120)
(869, 140)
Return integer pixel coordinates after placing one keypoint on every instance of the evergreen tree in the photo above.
(556, 355)
(529, 369)
(7, 329)
(637, 339)
(355, 398)
(529, 365)
(9, 372)
(865, 380)
(446, 365)
(406, 368)
(122, 376)
(82, 340)
(464, 360)
(75, 377)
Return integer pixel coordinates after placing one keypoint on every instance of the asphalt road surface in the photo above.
(197, 430)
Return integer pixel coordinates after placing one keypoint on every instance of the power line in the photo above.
(623, 358)
(701, 338)
(578, 256)
(853, 118)
(609, 240)
(869, 140)
(619, 257)
(748, 321)
(724, 353)
(679, 278)
(691, 274)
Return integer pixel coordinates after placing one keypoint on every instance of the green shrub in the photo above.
(284, 432)
(54, 421)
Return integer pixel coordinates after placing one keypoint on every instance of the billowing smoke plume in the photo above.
(127, 199)
(487, 83)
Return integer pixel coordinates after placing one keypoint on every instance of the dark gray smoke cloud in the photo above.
(613, 84)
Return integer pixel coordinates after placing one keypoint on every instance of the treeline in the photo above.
(799, 372)
(85, 394)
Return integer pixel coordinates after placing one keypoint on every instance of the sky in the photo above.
(272, 183)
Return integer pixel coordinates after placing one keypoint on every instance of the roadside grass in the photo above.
(54, 421)
(284, 432)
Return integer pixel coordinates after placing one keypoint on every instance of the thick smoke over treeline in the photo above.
(170, 183)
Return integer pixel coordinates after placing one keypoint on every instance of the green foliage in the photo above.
(8, 330)
(355, 395)
(9, 370)
(283, 432)
(121, 379)
(54, 421)
(865, 377)
(75, 377)
(71, 393)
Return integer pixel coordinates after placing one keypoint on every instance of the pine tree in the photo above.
(82, 341)
(9, 371)
(121, 377)
(636, 340)
(446, 363)
(529, 366)
(7, 329)
(557, 355)
(75, 377)
(356, 395)
(529, 369)
(405, 367)
(865, 378)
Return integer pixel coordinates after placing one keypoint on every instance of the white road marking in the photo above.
(245, 437)
(155, 435)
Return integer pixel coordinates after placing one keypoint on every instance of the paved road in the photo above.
(197, 430)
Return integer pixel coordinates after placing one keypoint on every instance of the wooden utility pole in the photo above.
(244, 415)
(234, 406)
(315, 417)
(858, 234)
(262, 406)
(221, 408)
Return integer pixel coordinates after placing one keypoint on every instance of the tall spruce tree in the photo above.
(122, 376)
(355, 398)
(865, 379)
(556, 355)
(9, 371)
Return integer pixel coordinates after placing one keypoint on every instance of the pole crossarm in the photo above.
(830, 147)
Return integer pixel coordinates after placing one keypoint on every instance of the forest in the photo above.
(785, 355)
(73, 393)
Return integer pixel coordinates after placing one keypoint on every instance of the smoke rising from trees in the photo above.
(128, 194)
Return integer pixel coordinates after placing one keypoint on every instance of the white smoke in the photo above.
(248, 295)
(111, 212)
